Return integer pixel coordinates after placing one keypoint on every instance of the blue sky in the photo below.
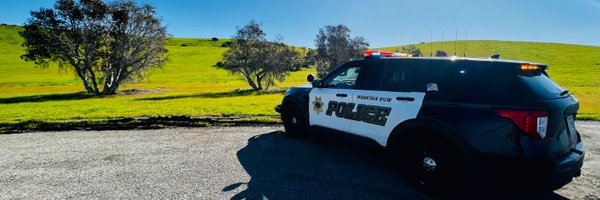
(381, 22)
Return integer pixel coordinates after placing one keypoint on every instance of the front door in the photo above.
(329, 103)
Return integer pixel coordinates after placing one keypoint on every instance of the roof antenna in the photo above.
(465, 53)
(442, 42)
(455, 39)
(431, 43)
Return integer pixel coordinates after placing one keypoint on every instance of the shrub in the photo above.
(440, 53)
(226, 44)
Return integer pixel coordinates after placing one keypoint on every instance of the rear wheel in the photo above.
(434, 165)
(293, 121)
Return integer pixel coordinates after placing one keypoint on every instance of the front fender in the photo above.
(297, 97)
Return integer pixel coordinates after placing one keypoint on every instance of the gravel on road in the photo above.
(224, 163)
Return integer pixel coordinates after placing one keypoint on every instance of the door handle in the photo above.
(341, 95)
(405, 99)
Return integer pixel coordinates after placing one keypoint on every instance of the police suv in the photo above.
(445, 117)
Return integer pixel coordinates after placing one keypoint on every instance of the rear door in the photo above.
(385, 98)
(329, 103)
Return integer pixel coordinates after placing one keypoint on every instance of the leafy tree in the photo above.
(310, 58)
(260, 61)
(104, 44)
(335, 47)
(411, 49)
(440, 53)
(137, 43)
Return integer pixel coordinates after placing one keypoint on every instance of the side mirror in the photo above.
(316, 83)
(310, 78)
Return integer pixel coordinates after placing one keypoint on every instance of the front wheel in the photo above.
(293, 121)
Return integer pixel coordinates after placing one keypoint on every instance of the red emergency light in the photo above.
(378, 53)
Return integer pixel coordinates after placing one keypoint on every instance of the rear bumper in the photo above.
(568, 168)
(543, 173)
(559, 178)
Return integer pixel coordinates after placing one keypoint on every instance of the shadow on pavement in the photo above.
(318, 167)
(328, 166)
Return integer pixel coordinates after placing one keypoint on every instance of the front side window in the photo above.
(343, 79)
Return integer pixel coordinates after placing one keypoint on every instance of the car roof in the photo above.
(462, 58)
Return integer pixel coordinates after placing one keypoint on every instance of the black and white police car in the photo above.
(445, 117)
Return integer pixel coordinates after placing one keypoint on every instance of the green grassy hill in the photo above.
(189, 85)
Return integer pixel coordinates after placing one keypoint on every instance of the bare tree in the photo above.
(95, 40)
(261, 62)
(335, 47)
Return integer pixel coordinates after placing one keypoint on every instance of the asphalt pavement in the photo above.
(225, 163)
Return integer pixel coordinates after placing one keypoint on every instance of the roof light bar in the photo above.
(529, 67)
(377, 53)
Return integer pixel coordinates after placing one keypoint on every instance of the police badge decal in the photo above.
(318, 105)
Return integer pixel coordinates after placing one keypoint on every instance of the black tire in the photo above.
(293, 121)
(434, 165)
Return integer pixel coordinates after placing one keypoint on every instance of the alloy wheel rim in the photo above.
(429, 164)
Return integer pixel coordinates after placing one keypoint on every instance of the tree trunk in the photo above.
(111, 84)
(259, 81)
(267, 85)
(112, 89)
(86, 84)
(94, 83)
(251, 82)
(88, 88)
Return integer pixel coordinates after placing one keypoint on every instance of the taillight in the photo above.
(532, 123)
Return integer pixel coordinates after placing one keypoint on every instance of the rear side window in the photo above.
(388, 75)
(461, 81)
(502, 83)
(485, 82)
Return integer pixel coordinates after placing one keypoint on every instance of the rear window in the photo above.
(541, 85)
